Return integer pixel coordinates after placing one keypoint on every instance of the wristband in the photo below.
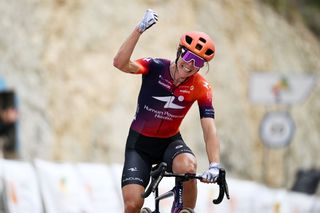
(214, 165)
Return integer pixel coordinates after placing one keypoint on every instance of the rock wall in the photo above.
(75, 106)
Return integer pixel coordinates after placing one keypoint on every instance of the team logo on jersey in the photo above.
(133, 169)
(147, 59)
(206, 85)
(169, 101)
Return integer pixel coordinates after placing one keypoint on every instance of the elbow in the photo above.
(119, 64)
(116, 63)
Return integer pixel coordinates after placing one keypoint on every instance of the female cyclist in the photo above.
(168, 90)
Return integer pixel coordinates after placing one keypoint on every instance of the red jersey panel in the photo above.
(161, 105)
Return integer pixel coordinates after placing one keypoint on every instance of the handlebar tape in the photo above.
(157, 175)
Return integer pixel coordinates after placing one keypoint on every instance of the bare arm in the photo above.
(122, 60)
(211, 140)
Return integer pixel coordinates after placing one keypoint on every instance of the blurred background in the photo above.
(67, 103)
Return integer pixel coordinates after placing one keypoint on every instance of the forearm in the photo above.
(213, 149)
(211, 139)
(122, 59)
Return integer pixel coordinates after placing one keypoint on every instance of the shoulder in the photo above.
(160, 62)
(202, 88)
(149, 63)
(201, 82)
(152, 61)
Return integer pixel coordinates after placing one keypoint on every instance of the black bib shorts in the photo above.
(142, 152)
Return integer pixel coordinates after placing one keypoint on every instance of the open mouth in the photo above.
(186, 69)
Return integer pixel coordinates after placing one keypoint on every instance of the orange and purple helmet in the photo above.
(199, 43)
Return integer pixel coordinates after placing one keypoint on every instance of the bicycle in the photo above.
(159, 171)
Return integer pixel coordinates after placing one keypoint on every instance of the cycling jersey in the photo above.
(162, 105)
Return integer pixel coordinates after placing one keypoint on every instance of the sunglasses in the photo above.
(188, 56)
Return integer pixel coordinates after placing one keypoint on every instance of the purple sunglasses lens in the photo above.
(189, 56)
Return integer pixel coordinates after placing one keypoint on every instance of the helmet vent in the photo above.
(209, 52)
(188, 39)
(199, 47)
(202, 39)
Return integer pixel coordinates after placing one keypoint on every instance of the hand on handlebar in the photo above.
(216, 174)
(212, 174)
(149, 19)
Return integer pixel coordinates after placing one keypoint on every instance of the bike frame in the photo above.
(159, 172)
(176, 192)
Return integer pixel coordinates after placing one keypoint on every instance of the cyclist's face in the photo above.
(186, 69)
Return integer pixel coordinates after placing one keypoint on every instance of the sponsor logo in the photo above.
(206, 85)
(133, 169)
(164, 84)
(179, 147)
(163, 114)
(169, 102)
(132, 179)
(147, 59)
(185, 91)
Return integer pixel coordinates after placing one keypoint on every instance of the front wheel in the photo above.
(145, 210)
(186, 210)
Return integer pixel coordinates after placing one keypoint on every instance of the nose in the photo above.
(191, 63)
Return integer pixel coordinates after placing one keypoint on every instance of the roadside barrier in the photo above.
(43, 186)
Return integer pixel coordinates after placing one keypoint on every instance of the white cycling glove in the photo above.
(149, 19)
(211, 175)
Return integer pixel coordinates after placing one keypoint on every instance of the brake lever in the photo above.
(157, 176)
(159, 170)
(223, 187)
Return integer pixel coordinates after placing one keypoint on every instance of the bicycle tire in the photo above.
(186, 210)
(145, 210)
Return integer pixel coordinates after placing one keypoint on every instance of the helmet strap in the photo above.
(179, 52)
